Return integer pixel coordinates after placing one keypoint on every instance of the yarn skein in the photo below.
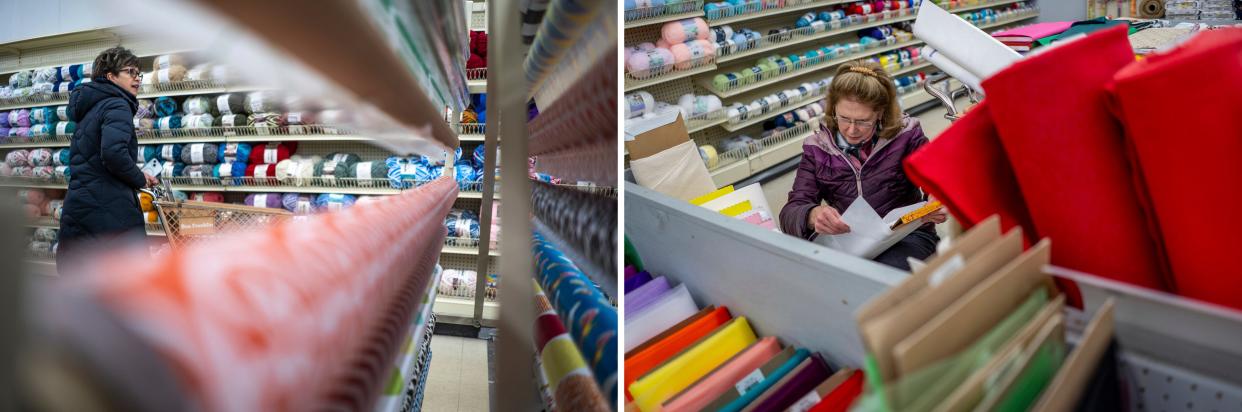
(200, 153)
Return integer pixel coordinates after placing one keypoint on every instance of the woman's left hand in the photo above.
(938, 216)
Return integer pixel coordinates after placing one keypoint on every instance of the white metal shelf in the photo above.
(663, 18)
(908, 14)
(774, 12)
(187, 91)
(635, 84)
(469, 251)
(194, 136)
(803, 71)
(476, 86)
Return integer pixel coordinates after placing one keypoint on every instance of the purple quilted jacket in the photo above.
(825, 174)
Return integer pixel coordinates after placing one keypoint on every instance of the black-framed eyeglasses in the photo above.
(132, 72)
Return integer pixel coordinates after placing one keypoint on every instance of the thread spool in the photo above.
(1151, 9)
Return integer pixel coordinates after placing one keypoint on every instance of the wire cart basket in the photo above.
(187, 222)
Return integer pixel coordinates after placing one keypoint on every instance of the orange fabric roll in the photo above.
(703, 392)
(644, 361)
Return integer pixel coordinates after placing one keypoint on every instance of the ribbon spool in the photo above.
(709, 155)
(1151, 9)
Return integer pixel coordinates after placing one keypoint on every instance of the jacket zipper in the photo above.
(858, 171)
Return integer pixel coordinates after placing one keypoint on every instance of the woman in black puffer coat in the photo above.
(102, 204)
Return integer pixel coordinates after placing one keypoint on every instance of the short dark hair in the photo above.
(112, 61)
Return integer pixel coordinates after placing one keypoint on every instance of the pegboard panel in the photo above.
(1158, 387)
(478, 15)
(642, 34)
(364, 149)
(468, 262)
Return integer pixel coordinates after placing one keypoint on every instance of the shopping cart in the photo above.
(187, 222)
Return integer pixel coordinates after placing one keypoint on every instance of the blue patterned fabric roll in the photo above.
(590, 318)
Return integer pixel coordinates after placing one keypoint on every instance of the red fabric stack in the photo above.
(478, 50)
(1125, 193)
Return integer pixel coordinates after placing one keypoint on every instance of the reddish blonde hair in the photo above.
(865, 82)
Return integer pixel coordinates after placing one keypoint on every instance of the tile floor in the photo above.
(458, 378)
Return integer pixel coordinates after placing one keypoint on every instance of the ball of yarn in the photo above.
(198, 174)
(297, 121)
(38, 130)
(263, 101)
(685, 30)
(235, 152)
(199, 105)
(166, 61)
(43, 115)
(638, 104)
(173, 169)
(650, 61)
(267, 122)
(32, 197)
(231, 121)
(266, 200)
(5, 169)
(740, 142)
(23, 171)
(62, 172)
(694, 52)
(173, 74)
(327, 168)
(462, 224)
(200, 153)
(337, 117)
(263, 174)
(297, 170)
(365, 173)
(40, 157)
(469, 116)
(466, 177)
(402, 171)
(201, 72)
(4, 119)
(231, 103)
(145, 153)
(229, 173)
(165, 106)
(479, 154)
(271, 152)
(168, 122)
(61, 158)
(45, 234)
(65, 128)
(214, 197)
(20, 131)
(329, 202)
(21, 79)
(20, 117)
(18, 158)
(198, 121)
(692, 105)
(298, 203)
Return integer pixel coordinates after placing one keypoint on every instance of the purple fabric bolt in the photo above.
(646, 295)
(634, 282)
(805, 381)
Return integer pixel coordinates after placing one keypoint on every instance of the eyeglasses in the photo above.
(133, 72)
(861, 124)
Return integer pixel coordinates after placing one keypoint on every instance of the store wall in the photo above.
(1062, 10)
(26, 19)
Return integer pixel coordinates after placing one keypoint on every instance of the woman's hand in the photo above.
(938, 216)
(151, 180)
(826, 220)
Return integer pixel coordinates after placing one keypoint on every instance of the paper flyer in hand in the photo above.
(869, 234)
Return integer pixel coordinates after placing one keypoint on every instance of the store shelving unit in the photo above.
(739, 165)
(825, 288)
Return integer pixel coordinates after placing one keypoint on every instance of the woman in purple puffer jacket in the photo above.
(859, 150)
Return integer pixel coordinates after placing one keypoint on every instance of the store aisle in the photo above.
(458, 378)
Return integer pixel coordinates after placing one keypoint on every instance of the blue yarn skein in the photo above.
(465, 176)
(479, 152)
(235, 170)
(165, 106)
(334, 201)
(462, 224)
(234, 152)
